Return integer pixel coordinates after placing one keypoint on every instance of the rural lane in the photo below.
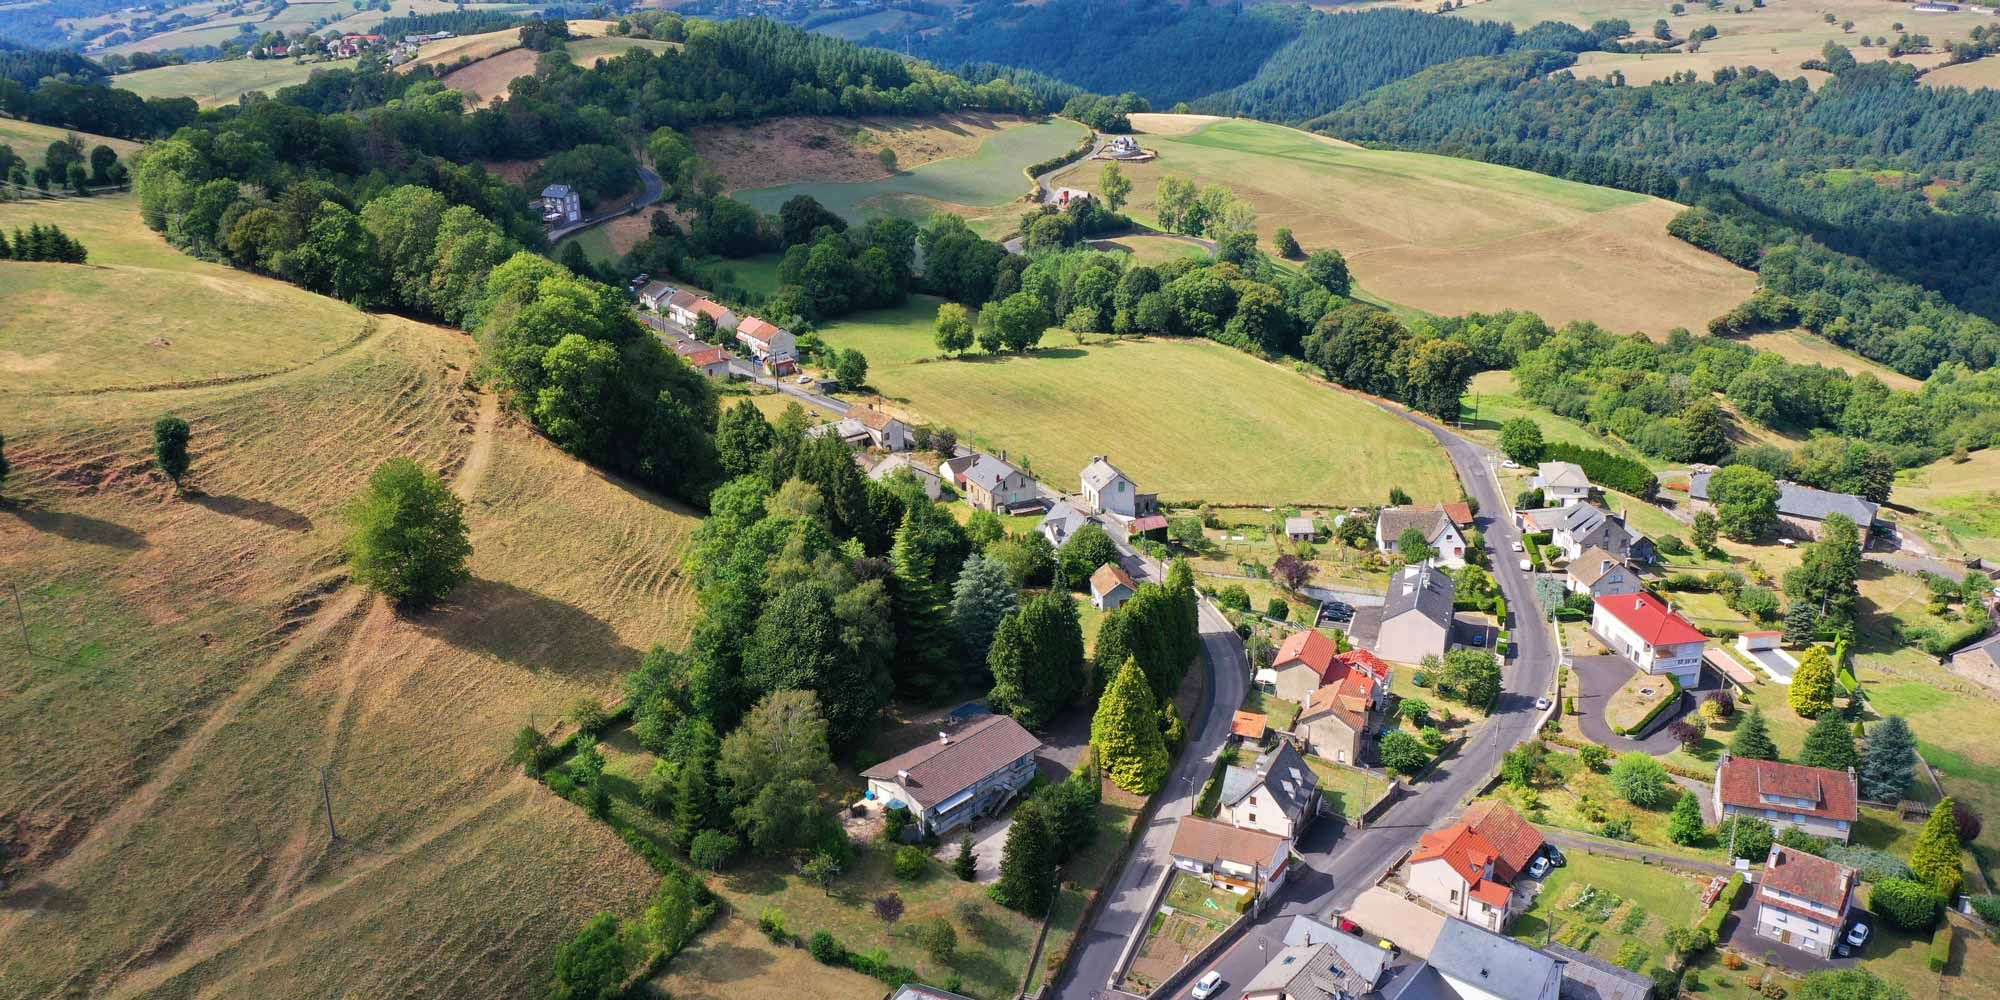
(652, 188)
(1341, 860)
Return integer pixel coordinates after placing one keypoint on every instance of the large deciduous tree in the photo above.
(1746, 502)
(773, 765)
(407, 536)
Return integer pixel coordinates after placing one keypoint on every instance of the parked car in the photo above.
(1857, 935)
(1517, 546)
(1541, 704)
(1527, 565)
(1540, 867)
(1351, 927)
(1207, 986)
(804, 380)
(1550, 852)
(1510, 464)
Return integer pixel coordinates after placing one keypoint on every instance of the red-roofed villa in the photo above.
(1467, 869)
(1643, 629)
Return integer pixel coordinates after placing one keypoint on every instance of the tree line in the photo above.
(43, 243)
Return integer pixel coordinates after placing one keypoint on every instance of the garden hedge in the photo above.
(1712, 920)
(1606, 469)
(1665, 703)
(1906, 903)
(1940, 954)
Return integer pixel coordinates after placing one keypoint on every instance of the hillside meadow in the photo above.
(217, 83)
(32, 141)
(199, 660)
(1191, 420)
(1446, 235)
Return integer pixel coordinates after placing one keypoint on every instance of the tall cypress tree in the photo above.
(696, 805)
(1027, 863)
(1037, 660)
(1936, 859)
(1888, 756)
(924, 546)
(1125, 733)
(1753, 741)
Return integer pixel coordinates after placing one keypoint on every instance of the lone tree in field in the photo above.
(1521, 439)
(954, 328)
(170, 447)
(1125, 733)
(1114, 186)
(409, 537)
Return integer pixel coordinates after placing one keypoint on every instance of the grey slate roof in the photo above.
(1364, 958)
(1282, 771)
(1425, 589)
(987, 470)
(1492, 962)
(1100, 473)
(1586, 977)
(1987, 649)
(1590, 524)
(556, 191)
(1806, 502)
(1062, 521)
(1561, 474)
(1298, 526)
(1309, 972)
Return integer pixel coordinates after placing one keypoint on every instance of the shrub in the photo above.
(1606, 469)
(894, 822)
(1906, 903)
(1616, 828)
(772, 922)
(1640, 780)
(939, 939)
(1873, 865)
(1988, 908)
(1594, 756)
(825, 949)
(911, 861)
(889, 907)
(712, 849)
(1711, 922)
(1940, 953)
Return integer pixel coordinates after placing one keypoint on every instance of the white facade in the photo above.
(1682, 660)
(1440, 885)
(1788, 926)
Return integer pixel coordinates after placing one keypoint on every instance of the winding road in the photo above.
(652, 189)
(1339, 861)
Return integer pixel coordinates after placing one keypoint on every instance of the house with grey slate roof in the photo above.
(1803, 510)
(1416, 614)
(1587, 977)
(1584, 526)
(1277, 794)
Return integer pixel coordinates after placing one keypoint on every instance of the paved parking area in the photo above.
(1740, 932)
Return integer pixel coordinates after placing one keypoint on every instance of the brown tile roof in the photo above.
(1460, 513)
(1808, 876)
(939, 770)
(711, 308)
(757, 330)
(1592, 564)
(1108, 576)
(1327, 701)
(683, 298)
(1249, 725)
(1310, 647)
(872, 418)
(1745, 782)
(1515, 840)
(1209, 840)
(1363, 660)
(707, 356)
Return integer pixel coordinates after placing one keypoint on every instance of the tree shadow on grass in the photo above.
(527, 629)
(75, 527)
(754, 881)
(720, 962)
(985, 967)
(260, 511)
(992, 933)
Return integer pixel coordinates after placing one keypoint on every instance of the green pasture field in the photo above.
(1187, 419)
(31, 141)
(217, 83)
(989, 178)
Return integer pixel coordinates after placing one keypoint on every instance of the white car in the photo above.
(804, 380)
(1517, 546)
(1541, 704)
(1857, 936)
(1208, 985)
(1527, 565)
(1510, 464)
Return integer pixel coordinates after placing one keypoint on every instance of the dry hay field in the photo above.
(498, 57)
(813, 148)
(32, 141)
(486, 80)
(1977, 73)
(217, 83)
(1445, 235)
(1806, 348)
(1776, 37)
(1956, 505)
(199, 659)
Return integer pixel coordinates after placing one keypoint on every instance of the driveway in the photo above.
(1739, 931)
(1600, 677)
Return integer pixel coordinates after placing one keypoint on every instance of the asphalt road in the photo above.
(1342, 861)
(1098, 947)
(652, 188)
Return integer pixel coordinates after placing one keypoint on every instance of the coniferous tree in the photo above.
(1936, 858)
(1684, 826)
(1027, 863)
(1830, 744)
(1753, 739)
(1801, 623)
(170, 446)
(982, 598)
(930, 546)
(1037, 660)
(697, 806)
(1125, 733)
(1811, 691)
(1888, 756)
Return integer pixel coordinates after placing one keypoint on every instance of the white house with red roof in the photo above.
(1818, 800)
(1802, 900)
(1452, 869)
(1644, 629)
(712, 361)
(765, 340)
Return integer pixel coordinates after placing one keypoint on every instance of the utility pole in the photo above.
(326, 796)
(23, 617)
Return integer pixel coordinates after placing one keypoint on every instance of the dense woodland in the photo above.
(1854, 199)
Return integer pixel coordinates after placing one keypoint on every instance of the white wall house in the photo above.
(1561, 483)
(1643, 629)
(1802, 900)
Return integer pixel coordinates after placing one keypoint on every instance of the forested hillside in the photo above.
(1877, 199)
(1335, 59)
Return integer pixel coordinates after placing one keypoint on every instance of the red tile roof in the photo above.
(1460, 513)
(1310, 647)
(1108, 576)
(757, 330)
(713, 309)
(1151, 522)
(1808, 876)
(1650, 618)
(1744, 783)
(1514, 840)
(940, 770)
(1361, 659)
(1249, 725)
(707, 356)
(1491, 893)
(1466, 852)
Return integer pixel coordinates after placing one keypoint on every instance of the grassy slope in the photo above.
(1957, 503)
(1448, 236)
(31, 141)
(199, 659)
(216, 83)
(1186, 419)
(988, 178)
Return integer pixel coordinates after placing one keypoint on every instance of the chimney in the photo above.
(903, 777)
(944, 738)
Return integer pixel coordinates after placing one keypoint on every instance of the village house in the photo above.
(1980, 661)
(1468, 869)
(655, 294)
(960, 776)
(1819, 801)
(1587, 977)
(992, 484)
(1583, 526)
(765, 340)
(1473, 963)
(884, 431)
(712, 361)
(1313, 972)
(1061, 523)
(685, 307)
(1802, 900)
(1416, 617)
(1111, 491)
(925, 476)
(1307, 660)
(1561, 483)
(349, 46)
(1111, 587)
(1437, 528)
(1802, 510)
(1234, 858)
(1535, 520)
(1600, 574)
(1277, 793)
(1299, 529)
(1338, 720)
(560, 205)
(1643, 629)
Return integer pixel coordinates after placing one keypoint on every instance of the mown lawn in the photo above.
(1614, 909)
(1345, 790)
(1190, 420)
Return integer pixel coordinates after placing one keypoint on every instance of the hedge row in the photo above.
(1035, 170)
(1940, 954)
(1712, 920)
(1606, 469)
(1665, 703)
(827, 950)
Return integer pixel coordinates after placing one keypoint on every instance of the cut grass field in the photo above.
(31, 141)
(984, 180)
(1188, 419)
(819, 149)
(217, 83)
(1776, 37)
(1450, 236)
(200, 658)
(1972, 75)
(1957, 504)
(1804, 348)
